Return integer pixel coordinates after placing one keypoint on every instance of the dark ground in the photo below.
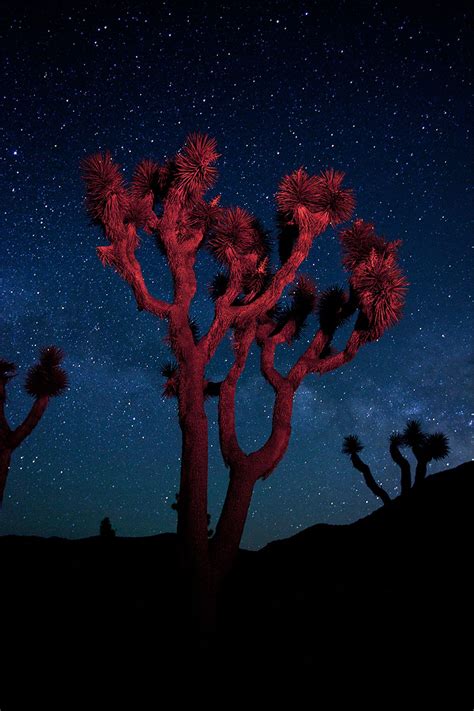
(379, 611)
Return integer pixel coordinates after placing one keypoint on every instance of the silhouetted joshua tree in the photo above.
(106, 530)
(352, 446)
(425, 447)
(168, 201)
(44, 380)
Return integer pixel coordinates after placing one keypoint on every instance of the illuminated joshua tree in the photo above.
(425, 447)
(168, 201)
(44, 380)
(352, 446)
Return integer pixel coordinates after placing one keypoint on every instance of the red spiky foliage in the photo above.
(249, 303)
(359, 240)
(233, 236)
(106, 196)
(194, 165)
(380, 286)
(334, 201)
(45, 379)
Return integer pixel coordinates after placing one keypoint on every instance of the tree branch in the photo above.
(332, 362)
(404, 464)
(309, 229)
(4, 426)
(121, 256)
(232, 454)
(29, 423)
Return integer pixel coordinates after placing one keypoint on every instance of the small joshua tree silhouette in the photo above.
(352, 446)
(106, 530)
(425, 447)
(44, 380)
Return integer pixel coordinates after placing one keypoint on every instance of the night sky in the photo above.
(378, 90)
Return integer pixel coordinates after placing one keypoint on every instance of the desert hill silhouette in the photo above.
(397, 582)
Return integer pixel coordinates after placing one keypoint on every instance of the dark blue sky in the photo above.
(379, 90)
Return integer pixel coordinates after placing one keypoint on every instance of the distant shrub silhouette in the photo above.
(44, 380)
(106, 530)
(352, 446)
(425, 447)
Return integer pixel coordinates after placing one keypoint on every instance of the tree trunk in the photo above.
(192, 504)
(5, 457)
(420, 472)
(226, 541)
(369, 479)
(405, 471)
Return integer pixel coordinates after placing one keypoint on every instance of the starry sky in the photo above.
(378, 90)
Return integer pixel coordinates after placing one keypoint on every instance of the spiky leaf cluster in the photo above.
(234, 236)
(359, 240)
(380, 286)
(352, 445)
(429, 446)
(47, 378)
(297, 190)
(194, 165)
(106, 196)
(149, 179)
(413, 435)
(436, 446)
(332, 200)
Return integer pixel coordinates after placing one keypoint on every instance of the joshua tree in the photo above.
(352, 446)
(44, 380)
(106, 530)
(425, 447)
(168, 202)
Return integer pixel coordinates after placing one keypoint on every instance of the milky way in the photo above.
(380, 91)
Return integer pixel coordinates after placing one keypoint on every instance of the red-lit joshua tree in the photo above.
(168, 201)
(44, 380)
(352, 446)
